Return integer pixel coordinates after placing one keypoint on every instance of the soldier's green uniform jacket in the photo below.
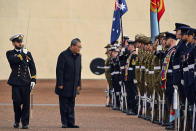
(137, 68)
(150, 73)
(157, 73)
(143, 57)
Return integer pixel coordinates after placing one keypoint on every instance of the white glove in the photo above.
(32, 85)
(175, 87)
(182, 82)
(135, 81)
(120, 83)
(25, 51)
(159, 47)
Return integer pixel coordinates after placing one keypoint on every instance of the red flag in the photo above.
(160, 8)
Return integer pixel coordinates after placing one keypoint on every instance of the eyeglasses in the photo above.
(80, 47)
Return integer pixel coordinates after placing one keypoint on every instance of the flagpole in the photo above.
(121, 32)
(158, 24)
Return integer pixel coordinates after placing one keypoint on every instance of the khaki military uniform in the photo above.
(137, 69)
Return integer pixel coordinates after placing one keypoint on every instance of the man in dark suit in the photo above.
(22, 79)
(68, 81)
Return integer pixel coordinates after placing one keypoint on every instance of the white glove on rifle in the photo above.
(175, 87)
(182, 82)
(135, 81)
(32, 85)
(159, 48)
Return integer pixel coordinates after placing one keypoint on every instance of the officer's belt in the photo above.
(137, 67)
(130, 69)
(151, 72)
(191, 66)
(115, 73)
(176, 67)
(157, 68)
(122, 67)
(143, 67)
(185, 69)
(169, 71)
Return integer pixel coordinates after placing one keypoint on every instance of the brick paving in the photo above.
(89, 117)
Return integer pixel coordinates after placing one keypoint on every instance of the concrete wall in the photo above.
(50, 25)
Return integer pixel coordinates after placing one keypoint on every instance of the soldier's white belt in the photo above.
(176, 67)
(169, 71)
(143, 67)
(130, 69)
(137, 67)
(185, 69)
(191, 66)
(115, 73)
(194, 73)
(157, 68)
(151, 72)
(104, 67)
(122, 67)
(147, 70)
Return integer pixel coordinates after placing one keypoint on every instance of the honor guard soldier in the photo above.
(188, 74)
(123, 55)
(130, 80)
(108, 75)
(177, 62)
(116, 77)
(156, 82)
(22, 79)
(166, 74)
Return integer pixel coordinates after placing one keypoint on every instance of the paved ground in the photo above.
(91, 114)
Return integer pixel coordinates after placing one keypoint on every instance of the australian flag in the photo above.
(120, 10)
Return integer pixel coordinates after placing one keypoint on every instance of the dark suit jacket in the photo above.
(68, 73)
(20, 75)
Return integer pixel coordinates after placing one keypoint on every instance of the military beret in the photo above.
(178, 25)
(17, 38)
(170, 35)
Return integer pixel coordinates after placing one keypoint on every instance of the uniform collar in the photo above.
(17, 50)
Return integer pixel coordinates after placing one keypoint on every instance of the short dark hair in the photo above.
(75, 41)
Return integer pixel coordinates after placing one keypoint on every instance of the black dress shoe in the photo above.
(156, 122)
(73, 126)
(115, 108)
(166, 124)
(64, 126)
(25, 126)
(130, 112)
(171, 127)
(16, 125)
